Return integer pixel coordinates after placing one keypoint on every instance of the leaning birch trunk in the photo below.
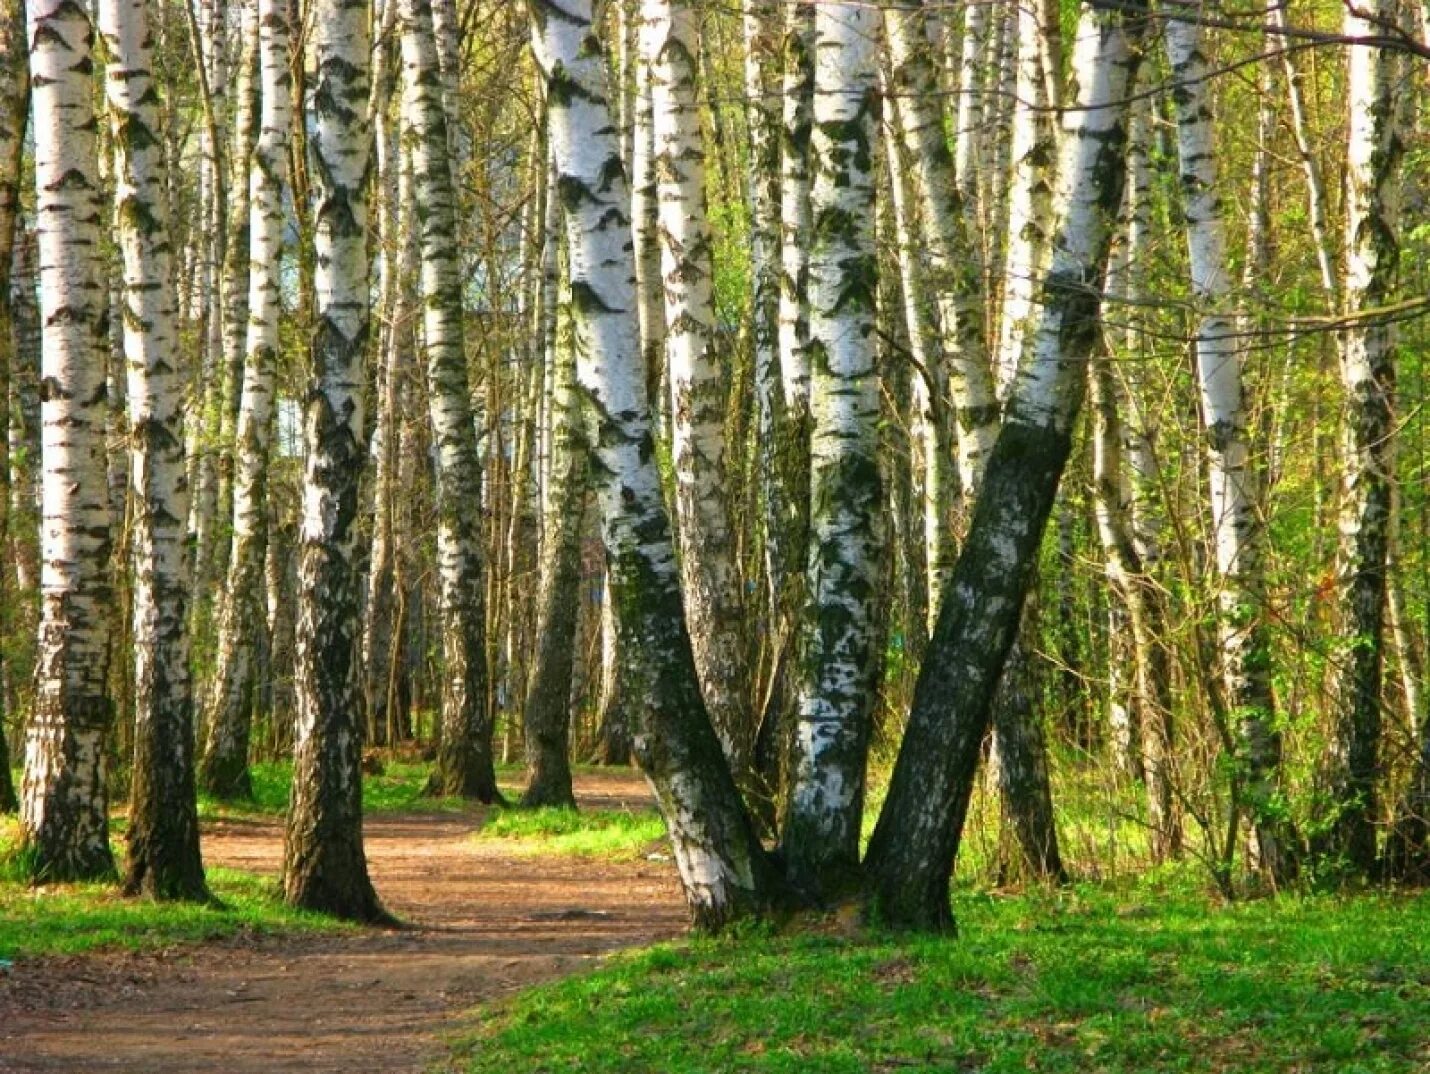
(14, 106)
(163, 834)
(915, 843)
(709, 580)
(223, 771)
(63, 814)
(1235, 486)
(722, 866)
(955, 275)
(1367, 353)
(838, 662)
(1018, 759)
(464, 756)
(547, 713)
(324, 867)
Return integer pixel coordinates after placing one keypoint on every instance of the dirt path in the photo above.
(486, 923)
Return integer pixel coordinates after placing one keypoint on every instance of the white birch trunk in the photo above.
(915, 843)
(1235, 486)
(1030, 196)
(1367, 364)
(713, 610)
(955, 274)
(464, 761)
(722, 866)
(64, 822)
(838, 665)
(14, 104)
(163, 833)
(232, 692)
(797, 90)
(324, 867)
(645, 234)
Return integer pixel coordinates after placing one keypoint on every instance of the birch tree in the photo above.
(839, 654)
(63, 808)
(955, 274)
(1232, 475)
(14, 106)
(548, 702)
(464, 759)
(797, 94)
(712, 594)
(324, 867)
(1367, 366)
(163, 833)
(722, 866)
(232, 693)
(915, 842)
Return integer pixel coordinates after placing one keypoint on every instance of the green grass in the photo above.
(1087, 979)
(397, 790)
(616, 834)
(65, 919)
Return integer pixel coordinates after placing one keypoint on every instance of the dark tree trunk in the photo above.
(548, 703)
(324, 866)
(915, 843)
(916, 840)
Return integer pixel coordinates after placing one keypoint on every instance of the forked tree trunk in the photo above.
(465, 765)
(838, 661)
(915, 843)
(722, 866)
(324, 867)
(1367, 361)
(233, 693)
(63, 809)
(163, 835)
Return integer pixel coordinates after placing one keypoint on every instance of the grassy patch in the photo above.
(596, 833)
(1081, 980)
(65, 919)
(397, 790)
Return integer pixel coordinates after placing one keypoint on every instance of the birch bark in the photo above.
(223, 771)
(1235, 485)
(713, 609)
(14, 105)
(465, 765)
(163, 833)
(324, 867)
(915, 842)
(1367, 365)
(838, 662)
(63, 808)
(722, 865)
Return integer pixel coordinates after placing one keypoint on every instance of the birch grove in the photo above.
(492, 390)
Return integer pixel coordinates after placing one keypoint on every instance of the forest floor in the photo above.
(485, 918)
